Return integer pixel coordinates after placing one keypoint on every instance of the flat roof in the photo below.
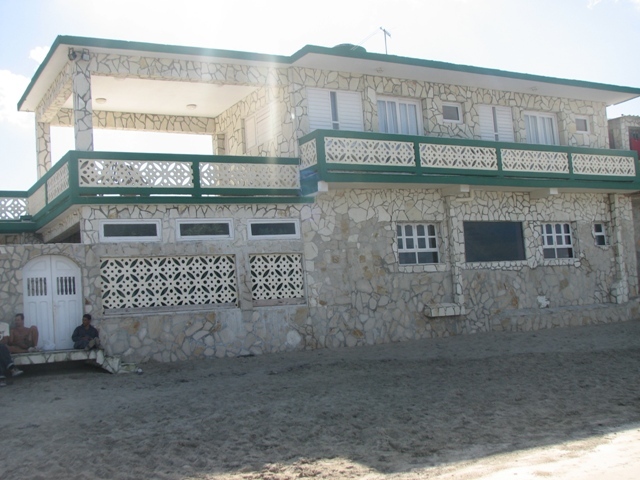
(345, 58)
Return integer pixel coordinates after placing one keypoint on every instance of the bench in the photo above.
(110, 363)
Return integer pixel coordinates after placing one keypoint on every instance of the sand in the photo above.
(561, 403)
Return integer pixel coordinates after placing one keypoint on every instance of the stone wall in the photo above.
(356, 292)
(432, 95)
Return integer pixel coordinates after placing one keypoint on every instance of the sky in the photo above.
(592, 40)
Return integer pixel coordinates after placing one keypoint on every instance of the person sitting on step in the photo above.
(22, 339)
(6, 365)
(85, 336)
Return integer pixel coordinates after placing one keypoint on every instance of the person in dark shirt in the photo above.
(6, 365)
(86, 335)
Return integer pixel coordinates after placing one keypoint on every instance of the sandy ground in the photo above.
(562, 403)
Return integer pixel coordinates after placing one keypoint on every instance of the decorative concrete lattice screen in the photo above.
(533, 161)
(356, 151)
(276, 276)
(458, 156)
(168, 281)
(12, 208)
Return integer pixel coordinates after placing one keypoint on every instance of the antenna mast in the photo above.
(386, 34)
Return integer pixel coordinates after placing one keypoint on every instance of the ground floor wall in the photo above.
(351, 288)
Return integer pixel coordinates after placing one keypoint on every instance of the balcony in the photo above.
(359, 158)
(353, 159)
(125, 178)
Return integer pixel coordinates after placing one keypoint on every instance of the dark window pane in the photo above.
(493, 241)
(409, 243)
(598, 228)
(263, 229)
(432, 230)
(204, 229)
(549, 253)
(407, 258)
(399, 230)
(427, 257)
(601, 240)
(408, 230)
(422, 242)
(420, 230)
(130, 230)
(432, 243)
(565, 252)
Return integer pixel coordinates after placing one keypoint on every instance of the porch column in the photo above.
(620, 211)
(82, 108)
(43, 147)
(455, 237)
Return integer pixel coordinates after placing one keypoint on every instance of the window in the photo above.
(493, 241)
(417, 244)
(582, 125)
(496, 123)
(397, 115)
(335, 109)
(259, 128)
(452, 112)
(557, 241)
(203, 229)
(130, 230)
(541, 128)
(600, 234)
(274, 229)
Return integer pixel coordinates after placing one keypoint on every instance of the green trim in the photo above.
(284, 61)
(417, 62)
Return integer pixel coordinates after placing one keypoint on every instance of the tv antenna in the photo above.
(386, 34)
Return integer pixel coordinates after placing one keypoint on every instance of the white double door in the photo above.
(53, 299)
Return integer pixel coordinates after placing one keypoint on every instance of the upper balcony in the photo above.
(338, 158)
(362, 158)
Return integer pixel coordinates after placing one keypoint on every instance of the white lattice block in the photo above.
(534, 161)
(308, 154)
(59, 182)
(168, 281)
(584, 164)
(458, 156)
(12, 208)
(37, 201)
(134, 173)
(355, 151)
(248, 175)
(276, 276)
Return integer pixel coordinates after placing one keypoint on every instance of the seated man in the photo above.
(22, 339)
(6, 365)
(86, 335)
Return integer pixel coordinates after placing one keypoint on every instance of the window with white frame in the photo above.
(452, 112)
(130, 230)
(600, 236)
(335, 109)
(541, 128)
(557, 241)
(417, 243)
(259, 128)
(202, 229)
(274, 229)
(582, 124)
(399, 115)
(496, 123)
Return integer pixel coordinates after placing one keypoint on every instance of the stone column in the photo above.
(456, 257)
(620, 287)
(82, 108)
(43, 147)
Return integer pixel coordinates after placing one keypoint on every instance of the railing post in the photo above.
(321, 153)
(195, 171)
(417, 160)
(74, 175)
(499, 161)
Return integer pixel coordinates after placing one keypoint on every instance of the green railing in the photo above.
(339, 156)
(115, 177)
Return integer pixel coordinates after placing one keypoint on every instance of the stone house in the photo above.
(351, 198)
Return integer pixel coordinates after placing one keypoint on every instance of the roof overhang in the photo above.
(341, 58)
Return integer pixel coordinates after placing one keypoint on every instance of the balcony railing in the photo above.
(339, 156)
(109, 177)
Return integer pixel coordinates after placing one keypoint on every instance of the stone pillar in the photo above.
(620, 287)
(43, 147)
(219, 144)
(456, 257)
(82, 108)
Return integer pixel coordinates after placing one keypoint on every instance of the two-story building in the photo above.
(351, 198)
